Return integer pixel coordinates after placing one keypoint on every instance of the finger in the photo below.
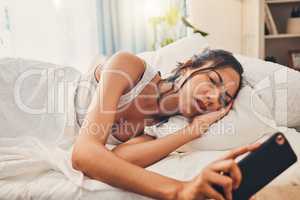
(253, 198)
(226, 110)
(212, 193)
(224, 181)
(240, 151)
(255, 146)
(221, 113)
(230, 167)
(229, 106)
(236, 175)
(231, 102)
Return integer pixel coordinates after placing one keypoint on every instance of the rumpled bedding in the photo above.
(38, 133)
(31, 170)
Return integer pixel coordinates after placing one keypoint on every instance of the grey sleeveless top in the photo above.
(87, 87)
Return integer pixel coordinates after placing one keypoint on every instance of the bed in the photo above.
(36, 145)
(52, 184)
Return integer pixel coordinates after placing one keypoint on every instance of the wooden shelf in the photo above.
(282, 1)
(282, 36)
(261, 45)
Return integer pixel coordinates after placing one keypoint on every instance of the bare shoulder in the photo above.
(126, 64)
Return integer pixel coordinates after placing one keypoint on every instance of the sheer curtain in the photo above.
(5, 30)
(58, 31)
(124, 24)
(72, 33)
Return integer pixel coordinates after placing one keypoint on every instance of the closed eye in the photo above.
(214, 81)
(225, 98)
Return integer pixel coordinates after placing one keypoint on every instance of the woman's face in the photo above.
(207, 91)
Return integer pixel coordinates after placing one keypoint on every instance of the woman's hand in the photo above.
(202, 122)
(213, 117)
(201, 187)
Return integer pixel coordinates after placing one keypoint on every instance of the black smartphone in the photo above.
(263, 165)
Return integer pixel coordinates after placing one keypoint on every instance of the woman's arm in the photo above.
(89, 153)
(97, 162)
(92, 158)
(101, 164)
(144, 151)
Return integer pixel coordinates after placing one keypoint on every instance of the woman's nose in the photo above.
(212, 97)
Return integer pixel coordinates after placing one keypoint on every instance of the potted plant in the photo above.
(167, 27)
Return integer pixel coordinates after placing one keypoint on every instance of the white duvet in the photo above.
(32, 170)
(35, 146)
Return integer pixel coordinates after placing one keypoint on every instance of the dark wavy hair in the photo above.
(220, 58)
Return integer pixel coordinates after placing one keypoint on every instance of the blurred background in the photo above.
(73, 32)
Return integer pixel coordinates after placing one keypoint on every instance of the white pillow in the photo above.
(244, 124)
(166, 58)
(278, 86)
(241, 126)
(256, 72)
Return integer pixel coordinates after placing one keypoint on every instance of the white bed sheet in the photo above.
(52, 182)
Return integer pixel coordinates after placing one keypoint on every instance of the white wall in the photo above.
(222, 19)
(58, 31)
(253, 28)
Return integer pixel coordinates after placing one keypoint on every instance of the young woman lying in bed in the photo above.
(131, 95)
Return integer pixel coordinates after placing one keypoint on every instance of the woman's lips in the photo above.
(201, 105)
